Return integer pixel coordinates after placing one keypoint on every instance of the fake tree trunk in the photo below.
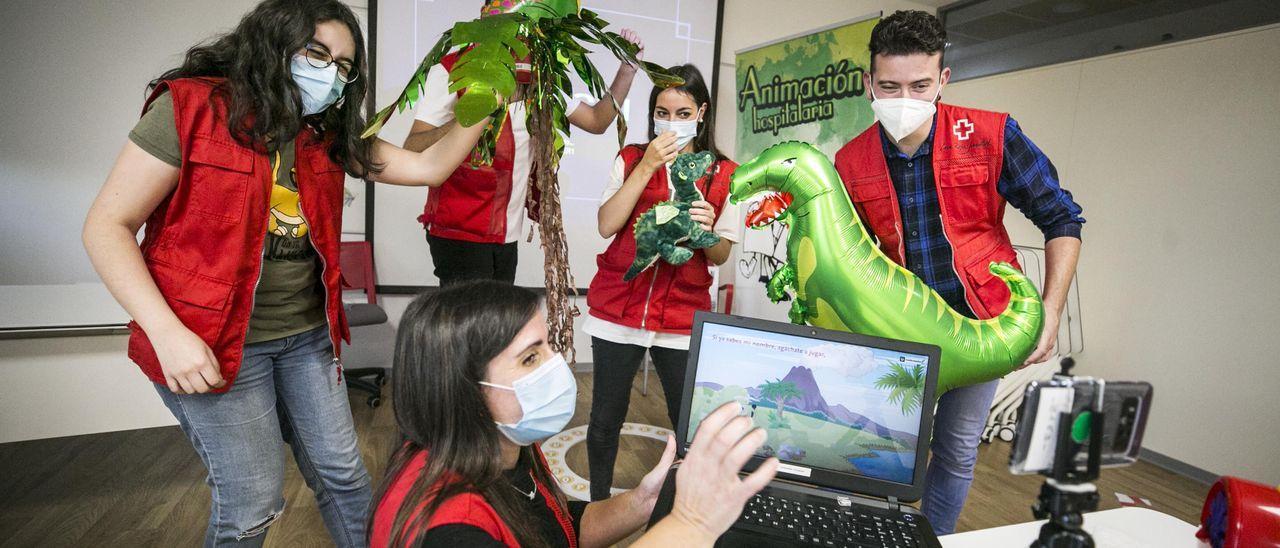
(559, 279)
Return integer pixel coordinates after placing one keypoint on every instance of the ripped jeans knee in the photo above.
(261, 526)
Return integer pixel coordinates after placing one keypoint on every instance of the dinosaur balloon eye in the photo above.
(789, 162)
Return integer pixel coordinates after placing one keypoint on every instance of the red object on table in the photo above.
(1252, 515)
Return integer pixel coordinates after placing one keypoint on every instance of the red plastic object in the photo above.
(356, 263)
(1252, 515)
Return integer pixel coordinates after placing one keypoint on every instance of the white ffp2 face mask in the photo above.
(901, 116)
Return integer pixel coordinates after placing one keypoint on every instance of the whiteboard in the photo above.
(56, 307)
(674, 32)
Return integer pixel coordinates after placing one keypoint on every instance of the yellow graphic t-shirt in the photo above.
(289, 299)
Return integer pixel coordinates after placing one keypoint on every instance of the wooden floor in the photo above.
(146, 487)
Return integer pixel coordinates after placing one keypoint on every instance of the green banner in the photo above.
(808, 88)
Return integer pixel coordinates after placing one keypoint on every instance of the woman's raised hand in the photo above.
(661, 151)
(710, 494)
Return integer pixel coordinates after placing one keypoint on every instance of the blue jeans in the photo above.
(957, 429)
(288, 390)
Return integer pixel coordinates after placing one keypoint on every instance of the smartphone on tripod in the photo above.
(1123, 406)
(1069, 428)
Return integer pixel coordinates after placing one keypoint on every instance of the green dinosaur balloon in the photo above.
(660, 231)
(841, 279)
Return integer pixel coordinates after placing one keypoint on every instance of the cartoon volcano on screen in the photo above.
(808, 429)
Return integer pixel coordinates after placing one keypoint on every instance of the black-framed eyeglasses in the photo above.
(319, 57)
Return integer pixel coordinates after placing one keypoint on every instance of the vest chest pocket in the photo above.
(874, 207)
(220, 178)
(325, 183)
(326, 168)
(966, 192)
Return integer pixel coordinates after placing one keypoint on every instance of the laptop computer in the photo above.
(848, 417)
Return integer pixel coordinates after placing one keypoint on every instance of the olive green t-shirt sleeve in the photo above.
(157, 133)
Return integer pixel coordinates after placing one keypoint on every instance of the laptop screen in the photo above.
(826, 405)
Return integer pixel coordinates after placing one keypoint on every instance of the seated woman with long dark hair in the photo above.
(476, 388)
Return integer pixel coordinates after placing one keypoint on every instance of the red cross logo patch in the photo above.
(962, 129)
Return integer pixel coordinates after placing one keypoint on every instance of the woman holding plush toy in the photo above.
(652, 312)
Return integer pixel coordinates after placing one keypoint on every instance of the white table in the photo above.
(1121, 527)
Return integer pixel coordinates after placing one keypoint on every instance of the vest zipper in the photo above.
(897, 222)
(644, 318)
(253, 299)
(566, 525)
(963, 284)
(323, 268)
(262, 256)
(902, 240)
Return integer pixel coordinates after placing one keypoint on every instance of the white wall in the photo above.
(75, 80)
(71, 386)
(1173, 152)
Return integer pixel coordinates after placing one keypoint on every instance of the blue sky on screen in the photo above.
(846, 373)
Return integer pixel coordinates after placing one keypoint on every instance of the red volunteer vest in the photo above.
(664, 297)
(471, 205)
(467, 508)
(968, 151)
(203, 244)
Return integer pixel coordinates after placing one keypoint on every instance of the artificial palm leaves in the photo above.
(553, 36)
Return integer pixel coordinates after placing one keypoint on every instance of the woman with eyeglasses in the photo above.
(236, 168)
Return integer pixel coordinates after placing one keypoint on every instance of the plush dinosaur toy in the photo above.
(841, 280)
(660, 231)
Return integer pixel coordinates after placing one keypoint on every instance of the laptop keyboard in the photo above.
(822, 525)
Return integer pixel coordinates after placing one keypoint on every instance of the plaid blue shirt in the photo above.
(1028, 181)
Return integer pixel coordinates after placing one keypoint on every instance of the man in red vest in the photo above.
(474, 219)
(931, 180)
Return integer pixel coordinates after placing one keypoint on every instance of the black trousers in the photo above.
(614, 369)
(459, 261)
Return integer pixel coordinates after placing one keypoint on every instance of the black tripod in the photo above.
(1069, 492)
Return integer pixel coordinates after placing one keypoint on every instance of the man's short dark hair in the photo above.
(907, 32)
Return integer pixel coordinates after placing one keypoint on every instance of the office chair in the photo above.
(370, 329)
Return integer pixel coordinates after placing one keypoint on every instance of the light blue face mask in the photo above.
(547, 397)
(320, 87)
